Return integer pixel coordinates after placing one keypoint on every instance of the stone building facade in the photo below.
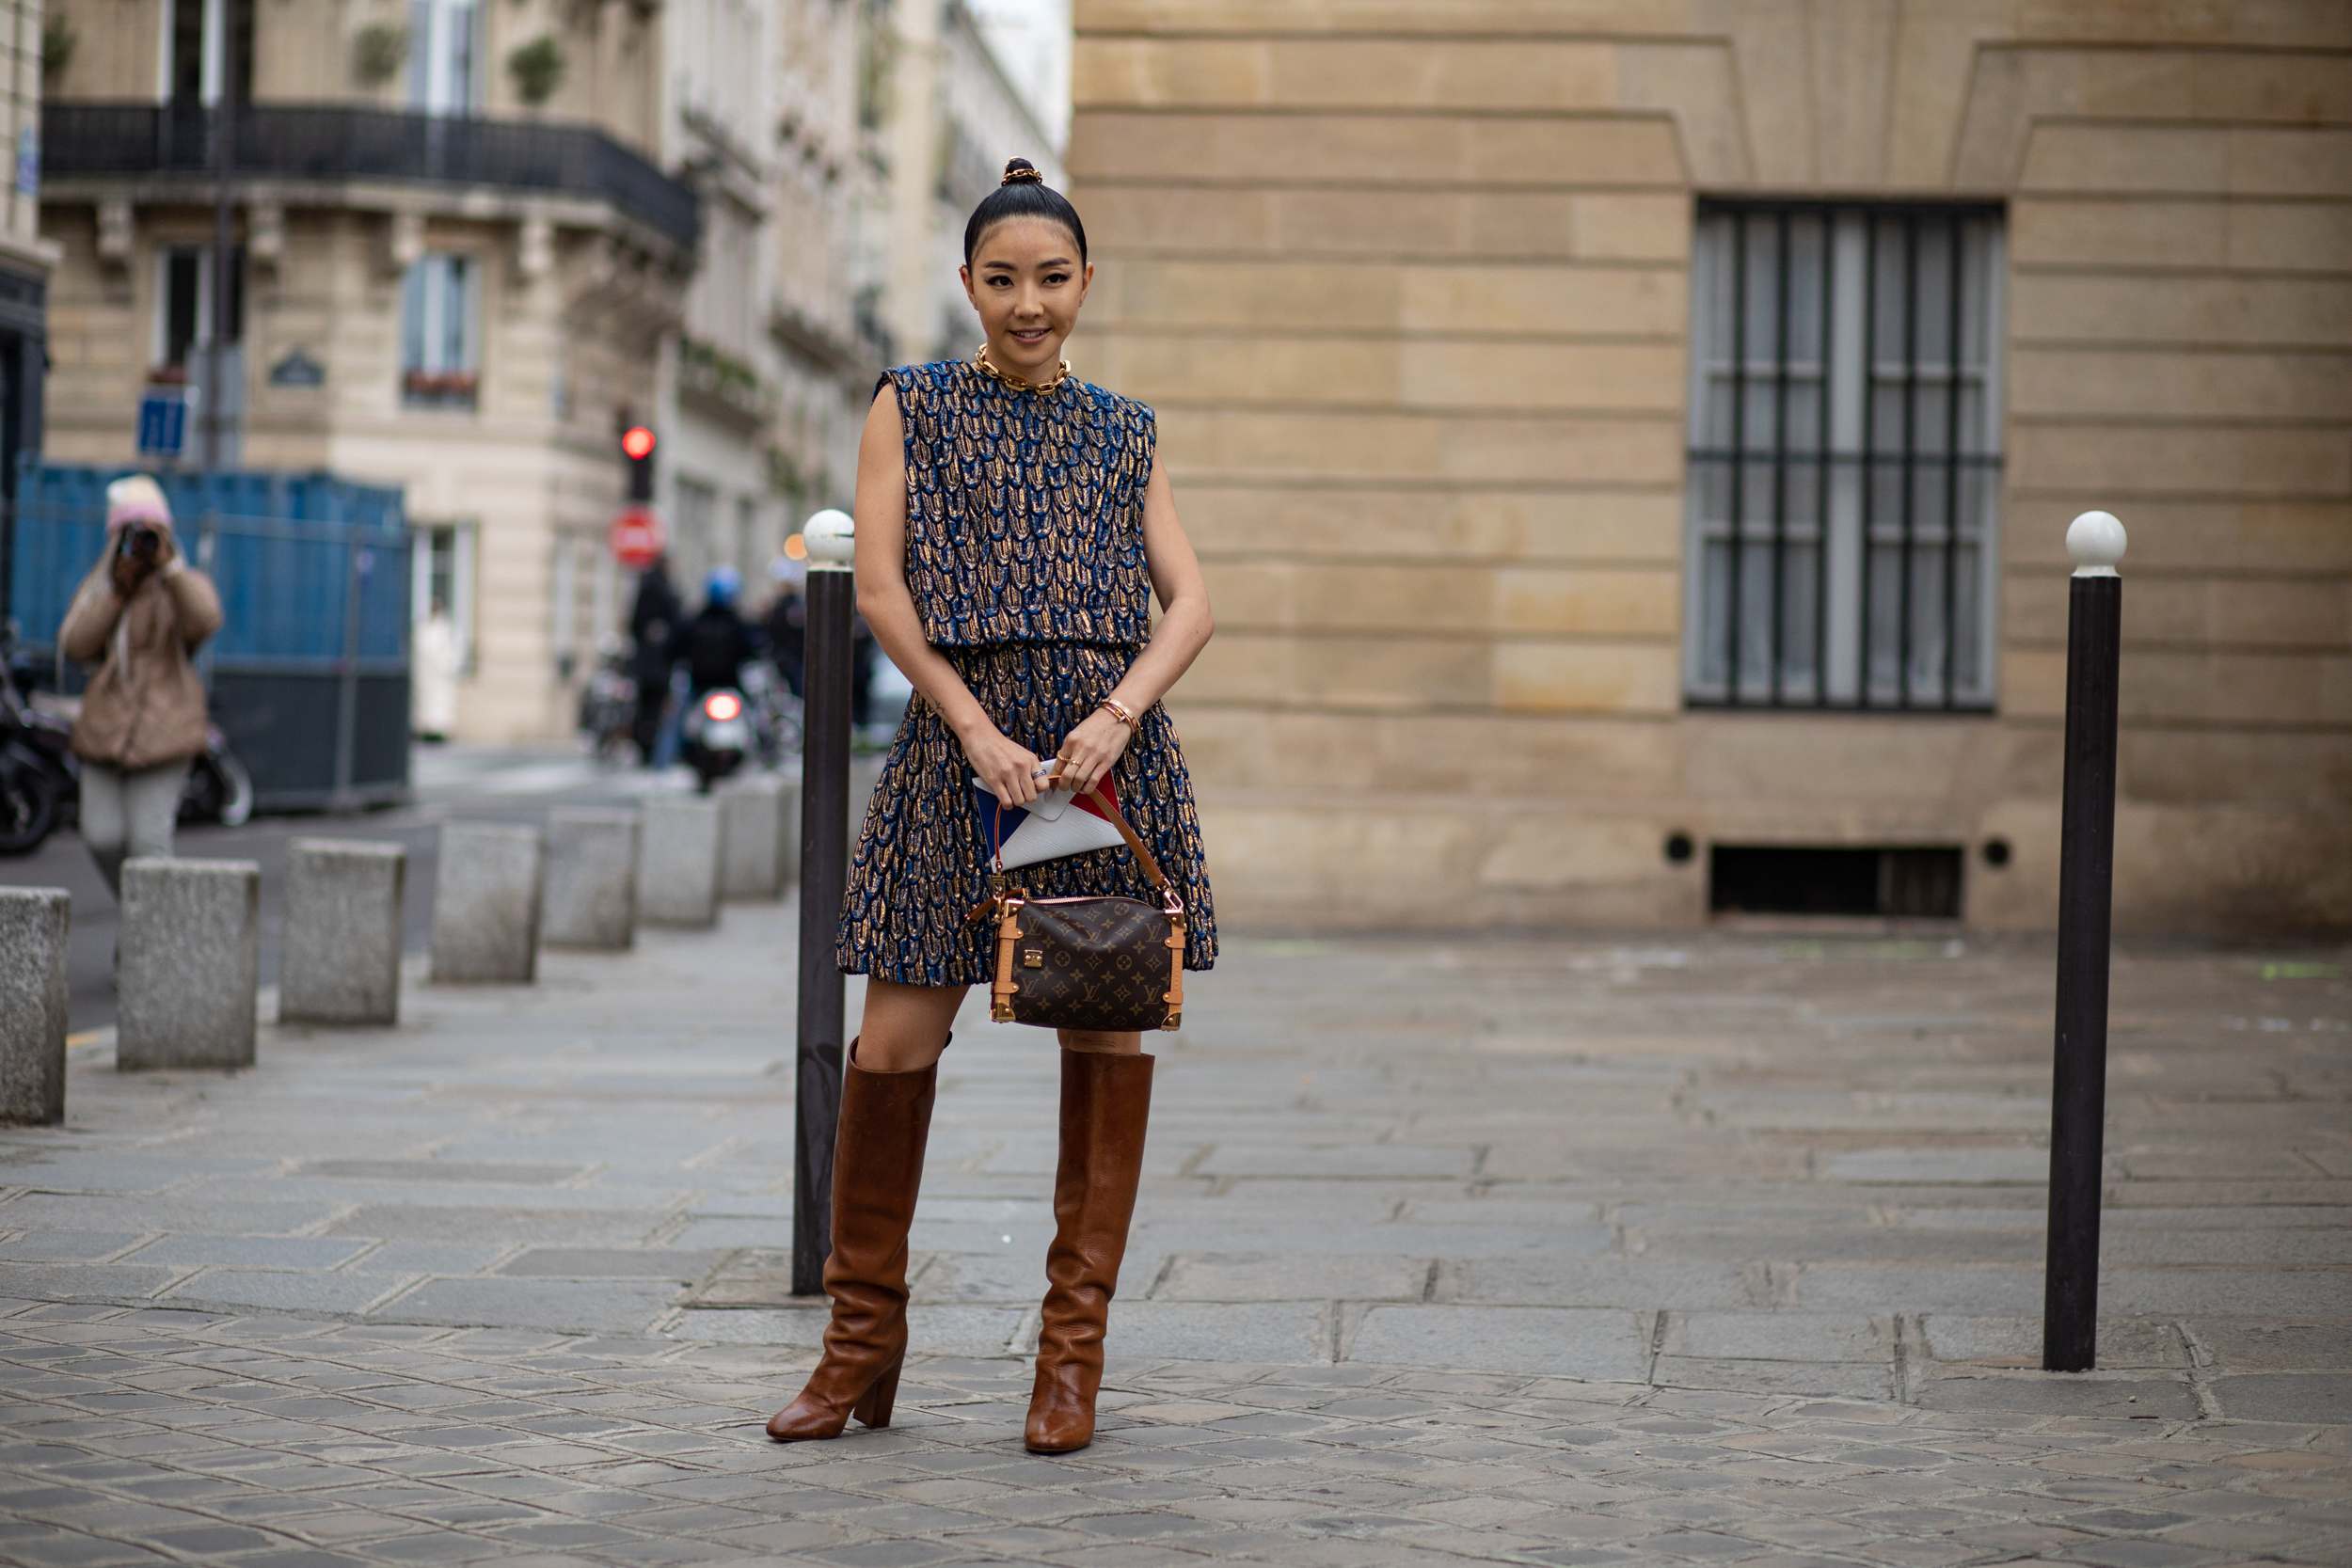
(36, 46)
(760, 412)
(951, 119)
(1631, 442)
(451, 276)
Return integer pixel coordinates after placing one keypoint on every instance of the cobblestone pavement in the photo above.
(1513, 1249)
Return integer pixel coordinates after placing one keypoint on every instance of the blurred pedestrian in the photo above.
(435, 663)
(137, 617)
(652, 619)
(716, 644)
(1025, 640)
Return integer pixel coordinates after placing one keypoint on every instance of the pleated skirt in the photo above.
(922, 858)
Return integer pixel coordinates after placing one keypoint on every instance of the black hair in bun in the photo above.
(1023, 194)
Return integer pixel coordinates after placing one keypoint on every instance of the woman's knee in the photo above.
(905, 1028)
(102, 828)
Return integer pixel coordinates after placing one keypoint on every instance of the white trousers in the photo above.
(127, 814)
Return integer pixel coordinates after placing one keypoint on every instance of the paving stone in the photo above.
(1566, 1341)
(1263, 1276)
(608, 1263)
(286, 1291)
(2259, 1346)
(98, 1282)
(1839, 1379)
(67, 1247)
(1266, 1332)
(1774, 1337)
(427, 1257)
(1342, 1159)
(2315, 1397)
(2101, 1398)
(499, 1225)
(287, 1252)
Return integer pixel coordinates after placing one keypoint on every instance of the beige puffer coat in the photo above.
(144, 705)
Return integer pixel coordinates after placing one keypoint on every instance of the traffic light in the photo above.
(637, 444)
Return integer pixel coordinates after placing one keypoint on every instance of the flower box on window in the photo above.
(439, 388)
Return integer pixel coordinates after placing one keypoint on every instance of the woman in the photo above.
(138, 615)
(1012, 523)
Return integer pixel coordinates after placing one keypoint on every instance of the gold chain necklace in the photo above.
(1015, 382)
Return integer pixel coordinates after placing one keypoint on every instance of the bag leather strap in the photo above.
(1002, 989)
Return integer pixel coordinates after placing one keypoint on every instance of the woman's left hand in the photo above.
(1089, 751)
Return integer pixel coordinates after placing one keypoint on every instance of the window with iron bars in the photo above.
(1844, 459)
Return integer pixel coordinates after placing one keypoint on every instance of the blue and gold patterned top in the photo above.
(1024, 509)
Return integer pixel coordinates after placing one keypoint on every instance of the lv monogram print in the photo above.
(1105, 965)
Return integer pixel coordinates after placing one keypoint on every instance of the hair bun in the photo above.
(1020, 171)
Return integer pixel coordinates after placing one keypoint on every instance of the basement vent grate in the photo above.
(1774, 880)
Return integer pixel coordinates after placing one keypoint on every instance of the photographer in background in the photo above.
(137, 617)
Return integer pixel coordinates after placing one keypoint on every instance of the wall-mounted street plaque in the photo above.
(298, 369)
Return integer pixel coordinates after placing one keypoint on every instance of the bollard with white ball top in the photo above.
(831, 540)
(2070, 1302)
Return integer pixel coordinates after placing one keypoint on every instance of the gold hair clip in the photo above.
(1022, 177)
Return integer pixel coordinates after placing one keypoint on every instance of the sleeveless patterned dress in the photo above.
(1024, 556)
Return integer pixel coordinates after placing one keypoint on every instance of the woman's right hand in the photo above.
(1008, 768)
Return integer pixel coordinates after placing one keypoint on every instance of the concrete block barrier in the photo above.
(340, 962)
(592, 880)
(186, 988)
(677, 861)
(485, 905)
(760, 836)
(34, 922)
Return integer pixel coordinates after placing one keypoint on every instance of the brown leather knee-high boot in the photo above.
(1106, 1100)
(877, 1171)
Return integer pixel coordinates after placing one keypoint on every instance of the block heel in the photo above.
(873, 1410)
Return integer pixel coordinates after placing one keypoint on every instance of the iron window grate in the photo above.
(1844, 463)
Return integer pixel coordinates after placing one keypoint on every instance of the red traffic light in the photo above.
(638, 443)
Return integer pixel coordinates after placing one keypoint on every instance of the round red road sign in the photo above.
(638, 537)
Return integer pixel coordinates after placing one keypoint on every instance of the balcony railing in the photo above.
(330, 141)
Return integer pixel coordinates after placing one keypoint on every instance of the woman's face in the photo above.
(1027, 283)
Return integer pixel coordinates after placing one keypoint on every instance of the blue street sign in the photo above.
(164, 421)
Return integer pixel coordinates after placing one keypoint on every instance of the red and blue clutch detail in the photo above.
(1053, 825)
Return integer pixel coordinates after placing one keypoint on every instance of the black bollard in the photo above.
(824, 872)
(2079, 1089)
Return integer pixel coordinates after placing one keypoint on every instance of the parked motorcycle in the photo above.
(40, 781)
(775, 712)
(717, 732)
(608, 705)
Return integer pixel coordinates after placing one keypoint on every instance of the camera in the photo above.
(141, 542)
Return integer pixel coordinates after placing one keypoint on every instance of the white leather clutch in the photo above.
(1048, 828)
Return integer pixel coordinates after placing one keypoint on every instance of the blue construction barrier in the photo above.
(308, 675)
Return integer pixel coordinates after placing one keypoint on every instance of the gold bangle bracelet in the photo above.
(1120, 711)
